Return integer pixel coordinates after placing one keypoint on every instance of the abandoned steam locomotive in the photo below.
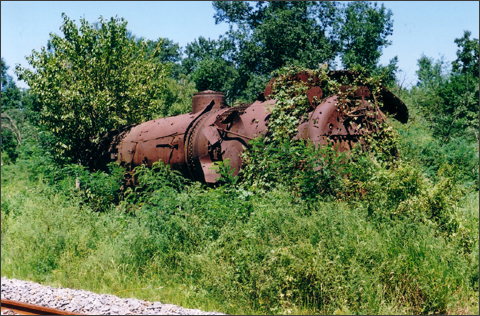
(213, 131)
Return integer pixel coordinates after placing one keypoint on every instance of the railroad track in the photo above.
(19, 308)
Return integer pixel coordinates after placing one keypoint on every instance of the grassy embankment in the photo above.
(229, 250)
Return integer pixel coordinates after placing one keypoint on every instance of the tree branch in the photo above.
(14, 129)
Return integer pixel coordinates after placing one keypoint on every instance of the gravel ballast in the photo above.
(88, 302)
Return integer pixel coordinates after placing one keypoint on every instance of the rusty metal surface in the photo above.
(314, 96)
(393, 105)
(192, 143)
(201, 100)
(161, 139)
(30, 309)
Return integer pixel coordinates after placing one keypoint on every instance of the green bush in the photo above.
(313, 173)
(431, 155)
(101, 190)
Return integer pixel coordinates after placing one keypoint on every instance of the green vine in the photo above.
(298, 164)
(292, 104)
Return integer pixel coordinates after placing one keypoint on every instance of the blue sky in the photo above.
(420, 27)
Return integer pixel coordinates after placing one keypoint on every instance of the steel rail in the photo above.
(31, 309)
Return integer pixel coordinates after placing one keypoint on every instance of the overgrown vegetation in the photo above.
(301, 230)
(399, 238)
(405, 246)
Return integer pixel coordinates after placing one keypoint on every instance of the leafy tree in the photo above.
(431, 74)
(216, 74)
(169, 51)
(15, 98)
(265, 36)
(270, 35)
(11, 94)
(210, 65)
(169, 54)
(388, 73)
(92, 80)
(364, 29)
(178, 95)
(11, 138)
(179, 88)
(459, 114)
(449, 100)
(204, 48)
(5, 76)
(467, 55)
(11, 102)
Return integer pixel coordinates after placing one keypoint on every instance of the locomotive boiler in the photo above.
(191, 143)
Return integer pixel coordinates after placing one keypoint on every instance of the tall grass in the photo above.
(236, 252)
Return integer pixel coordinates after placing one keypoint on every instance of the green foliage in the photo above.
(419, 146)
(467, 55)
(169, 51)
(100, 190)
(312, 173)
(387, 73)
(459, 113)
(216, 75)
(364, 31)
(431, 75)
(157, 178)
(5, 77)
(398, 243)
(292, 104)
(164, 51)
(450, 100)
(266, 36)
(280, 159)
(19, 117)
(11, 99)
(177, 96)
(91, 80)
(202, 49)
(273, 33)
(11, 138)
(403, 192)
(225, 171)
(11, 94)
(210, 66)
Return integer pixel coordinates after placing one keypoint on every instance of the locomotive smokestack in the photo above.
(200, 100)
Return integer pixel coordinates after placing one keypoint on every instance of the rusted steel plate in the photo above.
(202, 99)
(302, 76)
(314, 96)
(319, 125)
(161, 139)
(393, 105)
(268, 88)
(30, 309)
(363, 92)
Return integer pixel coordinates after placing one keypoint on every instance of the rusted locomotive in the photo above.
(213, 131)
